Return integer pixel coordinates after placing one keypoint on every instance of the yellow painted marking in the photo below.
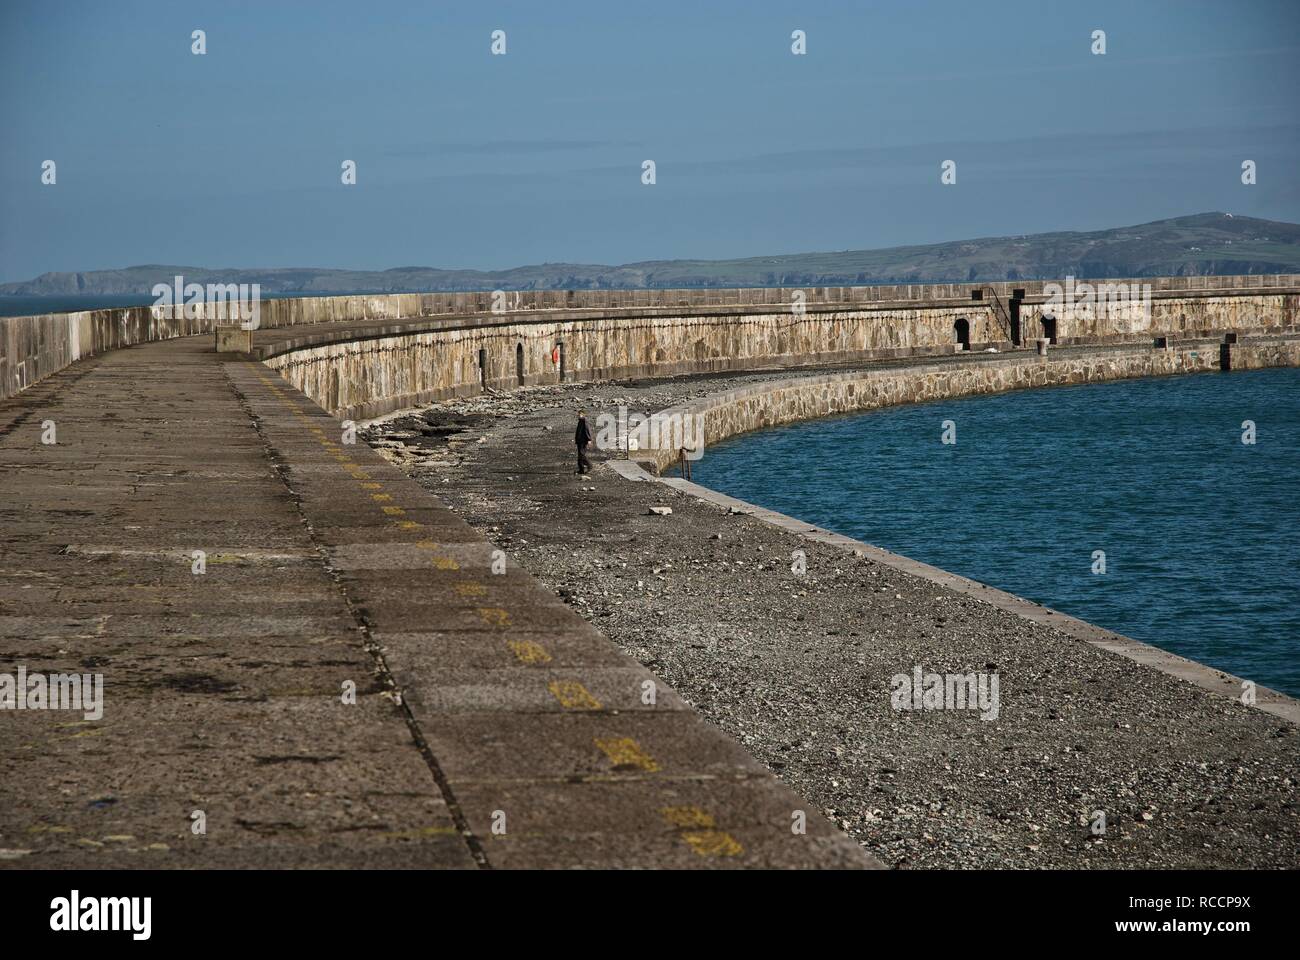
(528, 652)
(713, 843)
(358, 474)
(445, 563)
(394, 511)
(700, 832)
(408, 525)
(471, 589)
(688, 817)
(573, 695)
(381, 496)
(626, 752)
(494, 616)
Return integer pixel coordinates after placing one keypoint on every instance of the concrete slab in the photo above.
(346, 667)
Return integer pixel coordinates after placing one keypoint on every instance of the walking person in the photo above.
(582, 437)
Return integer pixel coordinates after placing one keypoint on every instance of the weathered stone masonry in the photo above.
(370, 355)
(805, 398)
(363, 376)
(368, 377)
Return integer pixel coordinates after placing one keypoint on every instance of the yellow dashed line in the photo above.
(471, 589)
(573, 695)
(394, 511)
(688, 818)
(528, 652)
(626, 752)
(381, 496)
(701, 833)
(442, 563)
(713, 843)
(494, 616)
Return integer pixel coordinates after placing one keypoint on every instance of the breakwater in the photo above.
(767, 404)
(363, 356)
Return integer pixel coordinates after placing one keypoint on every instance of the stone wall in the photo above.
(1180, 316)
(32, 348)
(805, 398)
(363, 378)
(639, 332)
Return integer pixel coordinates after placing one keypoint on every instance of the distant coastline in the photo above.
(28, 306)
(24, 306)
(1206, 244)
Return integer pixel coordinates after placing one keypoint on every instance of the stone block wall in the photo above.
(655, 332)
(787, 401)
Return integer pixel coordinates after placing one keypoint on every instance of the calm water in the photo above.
(24, 306)
(1199, 529)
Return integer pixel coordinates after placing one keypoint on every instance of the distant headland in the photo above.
(1202, 244)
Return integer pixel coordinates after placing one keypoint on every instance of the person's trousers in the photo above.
(584, 465)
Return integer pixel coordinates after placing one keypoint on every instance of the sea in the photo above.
(1166, 509)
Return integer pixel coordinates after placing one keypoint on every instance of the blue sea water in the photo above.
(25, 305)
(28, 306)
(1200, 530)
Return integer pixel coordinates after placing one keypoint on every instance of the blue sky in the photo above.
(465, 159)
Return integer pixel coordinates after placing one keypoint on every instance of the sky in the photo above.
(466, 159)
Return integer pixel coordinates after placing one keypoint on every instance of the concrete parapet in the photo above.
(604, 333)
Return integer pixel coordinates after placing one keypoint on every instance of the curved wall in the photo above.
(804, 398)
(367, 377)
(360, 375)
(610, 333)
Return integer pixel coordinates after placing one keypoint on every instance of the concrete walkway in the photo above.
(490, 726)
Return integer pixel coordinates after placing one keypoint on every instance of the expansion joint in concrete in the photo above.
(384, 672)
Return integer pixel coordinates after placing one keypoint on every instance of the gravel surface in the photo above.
(797, 668)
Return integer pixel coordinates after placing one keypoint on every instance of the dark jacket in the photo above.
(582, 436)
